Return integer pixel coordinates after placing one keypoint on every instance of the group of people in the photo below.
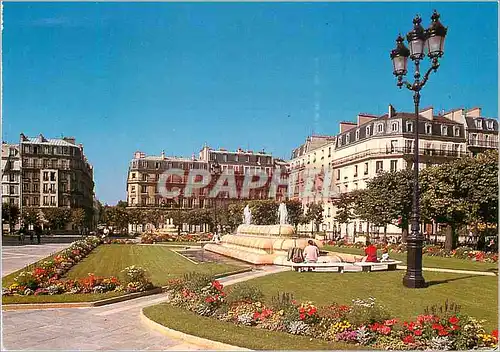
(371, 254)
(36, 232)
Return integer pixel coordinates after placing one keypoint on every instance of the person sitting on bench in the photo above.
(311, 253)
(385, 255)
(371, 253)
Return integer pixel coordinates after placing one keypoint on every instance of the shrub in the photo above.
(244, 293)
(195, 282)
(364, 312)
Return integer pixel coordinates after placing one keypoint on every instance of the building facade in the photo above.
(48, 173)
(373, 144)
(145, 173)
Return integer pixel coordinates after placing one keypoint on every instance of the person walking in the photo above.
(31, 237)
(38, 231)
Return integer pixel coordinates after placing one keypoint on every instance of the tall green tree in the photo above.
(264, 212)
(116, 217)
(345, 209)
(295, 212)
(314, 214)
(31, 216)
(10, 214)
(57, 218)
(78, 217)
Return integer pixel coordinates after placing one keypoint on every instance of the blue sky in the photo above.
(122, 77)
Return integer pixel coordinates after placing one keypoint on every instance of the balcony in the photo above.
(482, 144)
(373, 153)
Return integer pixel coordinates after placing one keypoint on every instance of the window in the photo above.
(486, 141)
(36, 201)
(45, 176)
(236, 158)
(144, 189)
(357, 134)
(329, 151)
(132, 189)
(409, 127)
(339, 141)
(380, 128)
(52, 176)
(52, 200)
(355, 186)
(394, 146)
(428, 128)
(133, 174)
(36, 187)
(479, 124)
(338, 174)
(368, 130)
(394, 165)
(157, 165)
(64, 187)
(144, 177)
(12, 177)
(444, 130)
(26, 201)
(224, 157)
(394, 127)
(456, 131)
(379, 166)
(132, 200)
(473, 139)
(45, 188)
(355, 170)
(366, 168)
(45, 201)
(490, 125)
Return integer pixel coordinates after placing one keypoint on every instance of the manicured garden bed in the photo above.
(243, 336)
(428, 261)
(109, 261)
(477, 295)
(360, 322)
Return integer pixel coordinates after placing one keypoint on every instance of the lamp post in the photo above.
(216, 171)
(420, 41)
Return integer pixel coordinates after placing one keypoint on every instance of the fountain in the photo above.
(261, 244)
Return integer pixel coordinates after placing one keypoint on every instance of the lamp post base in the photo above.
(413, 277)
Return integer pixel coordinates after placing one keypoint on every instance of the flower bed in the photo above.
(118, 241)
(462, 252)
(363, 323)
(150, 238)
(45, 279)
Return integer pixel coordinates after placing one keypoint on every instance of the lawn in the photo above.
(428, 261)
(477, 295)
(109, 260)
(237, 335)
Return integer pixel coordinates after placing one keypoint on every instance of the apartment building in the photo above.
(11, 174)
(385, 143)
(47, 172)
(145, 171)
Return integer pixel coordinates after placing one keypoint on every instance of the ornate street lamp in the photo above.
(419, 40)
(216, 170)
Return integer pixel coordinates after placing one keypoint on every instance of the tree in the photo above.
(314, 214)
(30, 216)
(178, 218)
(464, 191)
(10, 214)
(136, 216)
(295, 212)
(345, 205)
(122, 204)
(116, 217)
(264, 212)
(389, 198)
(57, 218)
(78, 217)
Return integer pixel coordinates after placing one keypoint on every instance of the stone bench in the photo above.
(339, 266)
(368, 266)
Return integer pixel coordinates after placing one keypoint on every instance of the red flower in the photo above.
(390, 322)
(418, 332)
(494, 333)
(442, 332)
(455, 327)
(294, 301)
(408, 339)
(302, 310)
(256, 315)
(453, 320)
(302, 316)
(217, 285)
(384, 330)
(436, 326)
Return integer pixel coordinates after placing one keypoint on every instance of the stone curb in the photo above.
(102, 302)
(456, 271)
(195, 340)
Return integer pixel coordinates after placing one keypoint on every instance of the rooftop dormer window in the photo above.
(490, 125)
(409, 127)
(347, 138)
(479, 124)
(380, 128)
(444, 130)
(357, 134)
(456, 131)
(394, 127)
(428, 128)
(368, 130)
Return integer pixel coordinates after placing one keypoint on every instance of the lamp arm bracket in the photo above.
(434, 68)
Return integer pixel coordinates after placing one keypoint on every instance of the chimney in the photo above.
(138, 155)
(474, 112)
(42, 138)
(427, 113)
(346, 126)
(193, 157)
(71, 140)
(364, 118)
(23, 137)
(392, 111)
(456, 115)
(162, 154)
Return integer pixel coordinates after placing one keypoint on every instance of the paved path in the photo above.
(112, 327)
(17, 257)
